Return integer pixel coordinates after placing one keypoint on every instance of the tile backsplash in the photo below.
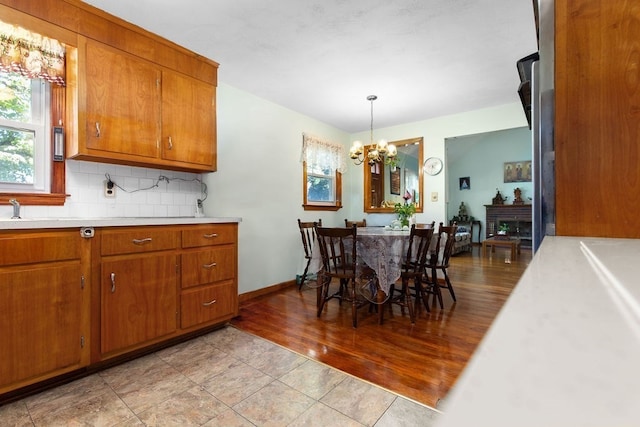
(144, 192)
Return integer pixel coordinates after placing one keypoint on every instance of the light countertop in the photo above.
(31, 223)
(565, 348)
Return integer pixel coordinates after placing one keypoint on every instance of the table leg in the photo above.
(380, 297)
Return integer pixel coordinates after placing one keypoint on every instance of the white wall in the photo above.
(259, 179)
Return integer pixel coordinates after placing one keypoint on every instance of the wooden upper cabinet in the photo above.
(135, 112)
(122, 103)
(188, 120)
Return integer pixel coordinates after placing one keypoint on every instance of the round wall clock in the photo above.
(433, 166)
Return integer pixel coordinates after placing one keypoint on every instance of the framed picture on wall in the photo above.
(394, 181)
(517, 171)
(465, 183)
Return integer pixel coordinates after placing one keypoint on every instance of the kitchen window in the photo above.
(322, 166)
(23, 136)
(32, 99)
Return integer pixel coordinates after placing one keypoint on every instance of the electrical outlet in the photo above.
(109, 189)
(434, 196)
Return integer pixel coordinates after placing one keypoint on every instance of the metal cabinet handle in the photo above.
(213, 264)
(113, 282)
(207, 304)
(97, 129)
(210, 236)
(170, 144)
(142, 241)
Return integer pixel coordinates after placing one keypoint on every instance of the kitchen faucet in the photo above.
(16, 208)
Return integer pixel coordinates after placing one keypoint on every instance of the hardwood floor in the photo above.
(420, 361)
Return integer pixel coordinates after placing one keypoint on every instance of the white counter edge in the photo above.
(563, 351)
(39, 223)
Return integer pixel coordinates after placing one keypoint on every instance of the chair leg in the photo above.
(304, 274)
(406, 299)
(422, 293)
(436, 287)
(322, 294)
(354, 304)
(448, 282)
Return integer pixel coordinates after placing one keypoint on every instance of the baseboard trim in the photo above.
(264, 291)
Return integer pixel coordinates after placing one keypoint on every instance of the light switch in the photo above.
(434, 196)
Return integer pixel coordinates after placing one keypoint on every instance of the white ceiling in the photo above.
(422, 58)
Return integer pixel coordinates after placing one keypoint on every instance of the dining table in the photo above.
(380, 248)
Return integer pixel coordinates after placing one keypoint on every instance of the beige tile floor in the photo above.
(226, 378)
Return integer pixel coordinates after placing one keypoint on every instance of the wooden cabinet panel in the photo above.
(40, 321)
(139, 300)
(138, 240)
(188, 120)
(206, 304)
(597, 110)
(202, 267)
(210, 234)
(33, 247)
(122, 102)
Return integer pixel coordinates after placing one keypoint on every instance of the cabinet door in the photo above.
(188, 120)
(40, 321)
(122, 102)
(138, 300)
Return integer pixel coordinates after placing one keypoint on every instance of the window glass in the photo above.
(322, 163)
(23, 139)
(320, 187)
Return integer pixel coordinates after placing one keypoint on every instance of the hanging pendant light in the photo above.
(382, 151)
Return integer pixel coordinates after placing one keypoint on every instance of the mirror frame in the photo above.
(367, 176)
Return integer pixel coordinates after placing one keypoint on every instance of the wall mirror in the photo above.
(386, 184)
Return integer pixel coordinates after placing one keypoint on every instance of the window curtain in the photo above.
(322, 154)
(31, 55)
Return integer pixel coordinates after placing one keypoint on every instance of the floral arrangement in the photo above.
(404, 212)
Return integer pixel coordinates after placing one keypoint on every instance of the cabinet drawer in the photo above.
(145, 239)
(209, 235)
(208, 266)
(39, 247)
(207, 304)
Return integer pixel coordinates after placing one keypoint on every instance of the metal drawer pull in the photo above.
(209, 236)
(170, 144)
(113, 282)
(207, 304)
(97, 129)
(213, 264)
(142, 241)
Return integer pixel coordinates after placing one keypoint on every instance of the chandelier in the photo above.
(376, 152)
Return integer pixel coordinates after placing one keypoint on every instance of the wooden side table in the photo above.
(492, 242)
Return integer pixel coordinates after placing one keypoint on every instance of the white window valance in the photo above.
(322, 154)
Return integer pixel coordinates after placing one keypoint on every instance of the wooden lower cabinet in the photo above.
(139, 301)
(44, 317)
(206, 304)
(69, 304)
(209, 289)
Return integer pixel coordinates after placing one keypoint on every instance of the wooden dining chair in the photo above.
(338, 251)
(413, 270)
(349, 224)
(445, 241)
(307, 232)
